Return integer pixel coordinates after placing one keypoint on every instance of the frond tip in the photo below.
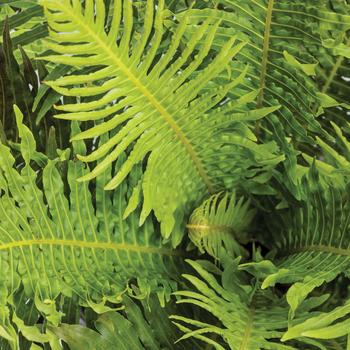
(328, 325)
(219, 222)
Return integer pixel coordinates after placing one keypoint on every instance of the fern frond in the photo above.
(246, 317)
(330, 325)
(334, 162)
(220, 223)
(26, 24)
(333, 57)
(283, 42)
(313, 246)
(78, 245)
(19, 84)
(157, 99)
(133, 328)
(270, 29)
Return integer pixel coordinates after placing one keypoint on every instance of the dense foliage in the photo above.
(174, 174)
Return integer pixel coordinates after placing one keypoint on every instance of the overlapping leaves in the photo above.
(220, 224)
(134, 328)
(244, 316)
(172, 89)
(56, 244)
(158, 100)
(284, 43)
(313, 246)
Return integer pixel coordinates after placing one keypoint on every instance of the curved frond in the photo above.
(334, 163)
(220, 223)
(139, 325)
(62, 237)
(333, 57)
(155, 96)
(313, 246)
(26, 24)
(246, 318)
(284, 44)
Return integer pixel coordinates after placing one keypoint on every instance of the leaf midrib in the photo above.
(153, 100)
(248, 329)
(318, 248)
(208, 229)
(89, 245)
(266, 45)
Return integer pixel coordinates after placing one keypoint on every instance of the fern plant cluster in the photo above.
(174, 174)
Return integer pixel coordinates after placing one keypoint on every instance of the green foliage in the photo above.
(313, 245)
(165, 120)
(282, 38)
(218, 223)
(135, 135)
(321, 326)
(135, 328)
(53, 244)
(25, 22)
(248, 318)
(20, 84)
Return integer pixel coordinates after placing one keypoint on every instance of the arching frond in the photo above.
(77, 244)
(220, 223)
(284, 43)
(313, 246)
(137, 114)
(246, 318)
(157, 98)
(333, 69)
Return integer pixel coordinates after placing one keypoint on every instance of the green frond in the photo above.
(157, 100)
(20, 84)
(25, 23)
(284, 39)
(333, 57)
(246, 317)
(310, 241)
(142, 134)
(220, 223)
(14, 85)
(334, 162)
(137, 327)
(76, 244)
(330, 325)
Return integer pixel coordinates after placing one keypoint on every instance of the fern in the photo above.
(313, 248)
(19, 85)
(324, 326)
(53, 244)
(335, 161)
(115, 330)
(25, 22)
(218, 223)
(161, 99)
(142, 134)
(247, 318)
(283, 40)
